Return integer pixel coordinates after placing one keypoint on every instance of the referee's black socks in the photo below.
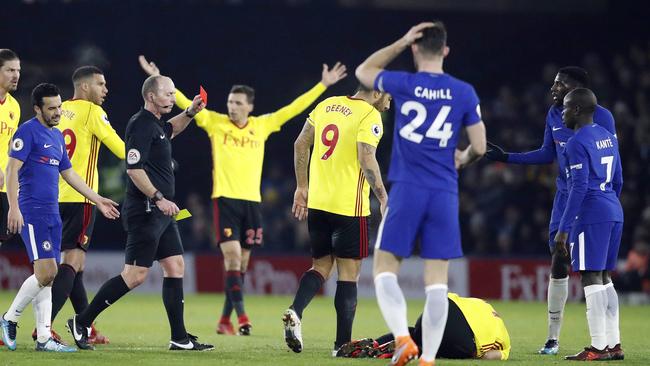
(172, 295)
(345, 302)
(111, 291)
(310, 282)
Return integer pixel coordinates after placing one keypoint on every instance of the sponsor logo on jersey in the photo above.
(133, 156)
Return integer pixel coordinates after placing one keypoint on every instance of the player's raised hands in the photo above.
(149, 67)
(415, 32)
(333, 75)
(108, 208)
(299, 208)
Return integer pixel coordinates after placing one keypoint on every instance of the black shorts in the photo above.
(239, 220)
(78, 222)
(343, 236)
(150, 236)
(458, 338)
(4, 211)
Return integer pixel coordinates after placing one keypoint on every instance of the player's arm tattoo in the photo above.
(301, 154)
(370, 169)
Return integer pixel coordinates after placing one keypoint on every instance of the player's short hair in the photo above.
(585, 98)
(43, 90)
(244, 89)
(84, 72)
(150, 85)
(7, 55)
(577, 74)
(434, 39)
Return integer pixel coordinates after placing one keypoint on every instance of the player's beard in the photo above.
(52, 122)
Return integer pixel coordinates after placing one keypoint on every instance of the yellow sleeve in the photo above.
(101, 127)
(203, 119)
(370, 129)
(272, 122)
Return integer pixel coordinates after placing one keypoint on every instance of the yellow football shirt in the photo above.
(85, 126)
(490, 331)
(336, 182)
(238, 153)
(9, 117)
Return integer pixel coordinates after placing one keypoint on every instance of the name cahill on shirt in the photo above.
(432, 94)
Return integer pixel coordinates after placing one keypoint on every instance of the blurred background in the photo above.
(509, 50)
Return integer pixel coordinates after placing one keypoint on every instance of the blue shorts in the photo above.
(415, 213)
(594, 247)
(559, 204)
(42, 236)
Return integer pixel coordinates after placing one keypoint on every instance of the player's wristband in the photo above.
(157, 196)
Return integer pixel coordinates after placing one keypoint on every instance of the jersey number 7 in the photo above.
(439, 129)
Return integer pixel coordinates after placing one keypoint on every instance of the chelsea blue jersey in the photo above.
(595, 178)
(42, 151)
(430, 112)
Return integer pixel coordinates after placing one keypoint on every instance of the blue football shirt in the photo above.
(42, 151)
(595, 178)
(430, 112)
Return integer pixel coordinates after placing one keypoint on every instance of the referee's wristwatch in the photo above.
(157, 196)
(188, 114)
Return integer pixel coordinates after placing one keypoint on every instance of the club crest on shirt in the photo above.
(17, 145)
(227, 232)
(11, 115)
(133, 156)
(47, 246)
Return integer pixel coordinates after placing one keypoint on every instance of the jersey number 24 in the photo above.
(439, 129)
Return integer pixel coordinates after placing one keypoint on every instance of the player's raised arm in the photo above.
(301, 165)
(544, 155)
(329, 77)
(368, 70)
(180, 122)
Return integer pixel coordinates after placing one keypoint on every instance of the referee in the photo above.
(149, 212)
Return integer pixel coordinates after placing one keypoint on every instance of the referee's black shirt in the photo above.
(148, 147)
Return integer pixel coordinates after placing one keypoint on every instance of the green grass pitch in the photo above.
(137, 327)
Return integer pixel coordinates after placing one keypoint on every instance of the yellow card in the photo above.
(182, 215)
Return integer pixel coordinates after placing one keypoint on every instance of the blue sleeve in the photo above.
(579, 171)
(617, 179)
(606, 120)
(544, 155)
(21, 145)
(472, 115)
(65, 163)
(391, 81)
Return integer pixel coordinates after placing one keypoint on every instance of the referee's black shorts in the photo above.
(343, 236)
(78, 222)
(150, 236)
(458, 338)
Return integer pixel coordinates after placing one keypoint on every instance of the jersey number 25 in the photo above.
(439, 129)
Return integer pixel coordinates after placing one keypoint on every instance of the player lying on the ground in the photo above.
(473, 330)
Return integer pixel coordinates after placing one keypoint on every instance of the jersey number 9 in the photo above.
(329, 142)
(70, 142)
